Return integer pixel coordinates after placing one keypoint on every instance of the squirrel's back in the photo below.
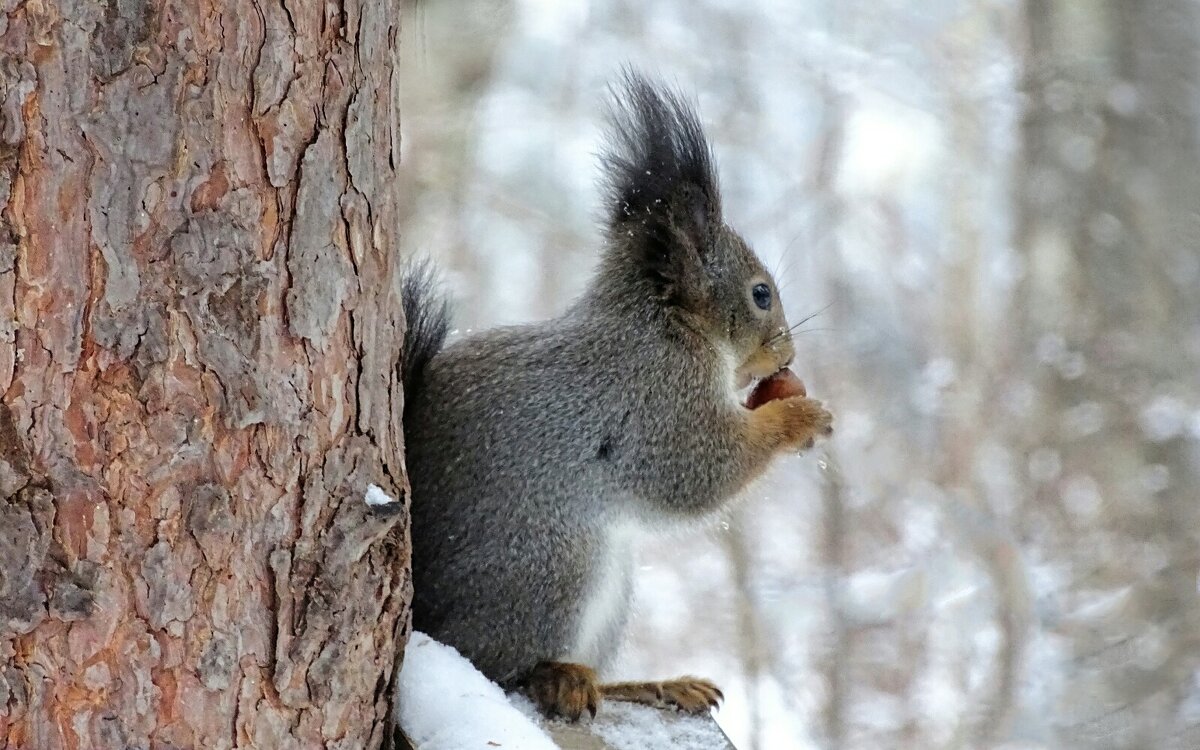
(503, 439)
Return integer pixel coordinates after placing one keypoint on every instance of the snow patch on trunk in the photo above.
(376, 496)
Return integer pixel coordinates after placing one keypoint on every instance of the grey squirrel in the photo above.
(537, 453)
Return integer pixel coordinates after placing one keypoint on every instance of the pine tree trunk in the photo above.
(199, 325)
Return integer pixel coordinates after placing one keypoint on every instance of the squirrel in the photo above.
(538, 453)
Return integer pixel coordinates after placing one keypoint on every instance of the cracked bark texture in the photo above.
(199, 319)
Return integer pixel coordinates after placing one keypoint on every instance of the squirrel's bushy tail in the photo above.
(427, 317)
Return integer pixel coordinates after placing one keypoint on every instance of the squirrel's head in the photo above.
(666, 228)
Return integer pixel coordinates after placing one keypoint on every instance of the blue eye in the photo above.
(762, 296)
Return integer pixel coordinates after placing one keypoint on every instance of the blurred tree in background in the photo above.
(995, 206)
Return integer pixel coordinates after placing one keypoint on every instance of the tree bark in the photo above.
(200, 321)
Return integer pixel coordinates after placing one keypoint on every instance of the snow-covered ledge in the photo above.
(444, 703)
(623, 726)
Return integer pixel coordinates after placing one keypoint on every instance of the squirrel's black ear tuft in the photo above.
(662, 188)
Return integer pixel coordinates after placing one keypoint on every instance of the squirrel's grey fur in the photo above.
(530, 447)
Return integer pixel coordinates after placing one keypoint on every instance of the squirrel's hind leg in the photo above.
(690, 694)
(563, 689)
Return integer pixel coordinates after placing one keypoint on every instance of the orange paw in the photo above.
(562, 689)
(795, 422)
(690, 694)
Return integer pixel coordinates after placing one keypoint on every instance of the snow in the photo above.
(627, 726)
(1164, 418)
(444, 703)
(376, 496)
(630, 726)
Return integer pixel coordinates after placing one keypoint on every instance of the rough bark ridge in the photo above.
(199, 316)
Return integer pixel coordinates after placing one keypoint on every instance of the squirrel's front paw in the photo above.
(563, 689)
(793, 422)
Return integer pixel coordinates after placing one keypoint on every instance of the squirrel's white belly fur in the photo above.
(606, 601)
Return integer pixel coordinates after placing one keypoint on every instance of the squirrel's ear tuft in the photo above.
(661, 186)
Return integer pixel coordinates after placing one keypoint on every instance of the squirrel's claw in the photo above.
(692, 694)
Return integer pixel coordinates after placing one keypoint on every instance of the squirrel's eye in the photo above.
(762, 296)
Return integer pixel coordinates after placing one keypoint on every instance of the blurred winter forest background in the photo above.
(995, 206)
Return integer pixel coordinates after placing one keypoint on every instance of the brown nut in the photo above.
(783, 384)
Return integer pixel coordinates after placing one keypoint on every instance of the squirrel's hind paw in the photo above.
(563, 689)
(690, 694)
